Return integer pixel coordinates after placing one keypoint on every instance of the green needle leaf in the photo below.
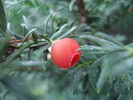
(68, 32)
(2, 18)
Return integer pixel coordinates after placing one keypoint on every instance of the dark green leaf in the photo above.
(68, 32)
(101, 41)
(12, 85)
(12, 33)
(115, 86)
(93, 72)
(9, 29)
(34, 36)
(46, 24)
(52, 23)
(115, 57)
(2, 18)
(109, 38)
(56, 35)
(99, 49)
(103, 78)
(113, 64)
(3, 47)
(3, 24)
(71, 72)
(27, 24)
(27, 35)
(71, 4)
(85, 81)
(77, 77)
(123, 66)
(15, 65)
(126, 94)
(41, 43)
(45, 37)
(29, 63)
(45, 47)
(29, 54)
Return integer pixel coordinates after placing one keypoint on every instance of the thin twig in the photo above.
(18, 41)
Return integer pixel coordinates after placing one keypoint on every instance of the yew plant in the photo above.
(66, 50)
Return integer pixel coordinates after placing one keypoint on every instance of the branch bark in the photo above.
(82, 11)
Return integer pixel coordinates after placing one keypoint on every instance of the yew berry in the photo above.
(64, 53)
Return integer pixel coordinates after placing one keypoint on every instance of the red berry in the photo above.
(64, 53)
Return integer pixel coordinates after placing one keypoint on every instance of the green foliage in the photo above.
(2, 19)
(116, 85)
(106, 13)
(116, 60)
(29, 27)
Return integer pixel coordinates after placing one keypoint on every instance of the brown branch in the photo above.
(82, 11)
(18, 41)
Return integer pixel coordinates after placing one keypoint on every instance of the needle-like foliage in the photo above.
(103, 28)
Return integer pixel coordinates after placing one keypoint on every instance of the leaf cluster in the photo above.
(108, 63)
